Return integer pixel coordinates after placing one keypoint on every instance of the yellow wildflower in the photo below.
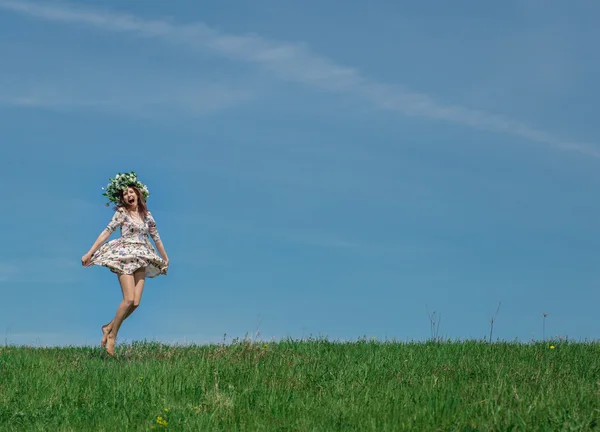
(552, 346)
(166, 410)
(161, 421)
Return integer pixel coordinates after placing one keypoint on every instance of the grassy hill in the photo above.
(303, 385)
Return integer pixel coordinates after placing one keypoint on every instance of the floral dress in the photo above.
(133, 249)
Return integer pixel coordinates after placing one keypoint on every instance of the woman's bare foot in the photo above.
(105, 332)
(110, 345)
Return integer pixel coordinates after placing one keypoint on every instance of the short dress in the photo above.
(133, 249)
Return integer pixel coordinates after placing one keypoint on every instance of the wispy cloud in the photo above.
(54, 270)
(128, 97)
(321, 241)
(239, 226)
(43, 339)
(295, 63)
(7, 271)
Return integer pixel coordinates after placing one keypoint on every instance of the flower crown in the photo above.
(120, 183)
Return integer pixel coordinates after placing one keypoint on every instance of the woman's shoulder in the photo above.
(119, 212)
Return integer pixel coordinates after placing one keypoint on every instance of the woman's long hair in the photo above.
(142, 208)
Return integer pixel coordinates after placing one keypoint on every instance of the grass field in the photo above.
(303, 386)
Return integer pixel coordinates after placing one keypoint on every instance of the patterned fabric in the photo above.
(133, 249)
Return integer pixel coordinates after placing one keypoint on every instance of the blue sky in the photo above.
(314, 170)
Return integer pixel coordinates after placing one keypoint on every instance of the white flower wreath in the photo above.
(121, 182)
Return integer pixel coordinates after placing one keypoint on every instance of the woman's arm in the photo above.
(116, 221)
(104, 235)
(161, 249)
(153, 231)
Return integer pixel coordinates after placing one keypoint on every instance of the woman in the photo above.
(131, 256)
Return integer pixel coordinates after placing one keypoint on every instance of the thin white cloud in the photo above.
(294, 63)
(243, 226)
(7, 271)
(192, 99)
(42, 339)
(40, 270)
(322, 241)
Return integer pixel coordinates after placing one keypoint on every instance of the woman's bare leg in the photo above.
(128, 287)
(105, 332)
(107, 328)
(139, 277)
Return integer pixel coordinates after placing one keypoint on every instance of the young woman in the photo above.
(131, 256)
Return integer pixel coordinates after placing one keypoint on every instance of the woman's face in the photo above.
(130, 197)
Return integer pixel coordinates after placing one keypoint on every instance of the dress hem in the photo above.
(119, 272)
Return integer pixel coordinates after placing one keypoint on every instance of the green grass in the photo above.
(303, 385)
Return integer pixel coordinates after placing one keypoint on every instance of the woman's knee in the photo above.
(129, 302)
